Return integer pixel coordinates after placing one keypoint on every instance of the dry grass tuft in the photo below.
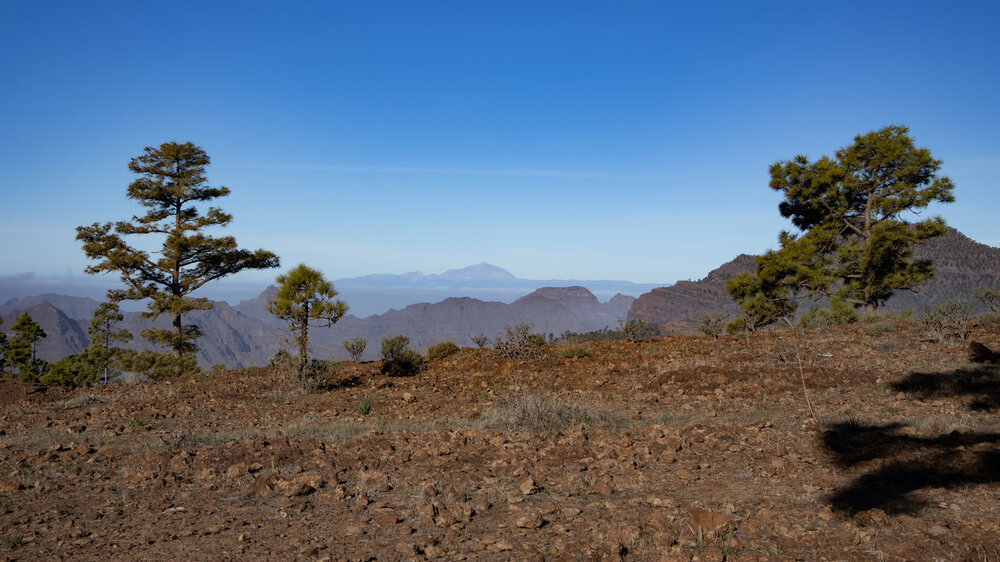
(535, 412)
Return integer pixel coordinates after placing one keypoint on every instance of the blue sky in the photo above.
(587, 140)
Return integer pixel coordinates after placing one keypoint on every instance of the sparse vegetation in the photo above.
(532, 411)
(365, 406)
(441, 350)
(356, 347)
(991, 298)
(398, 360)
(574, 353)
(713, 324)
(517, 342)
(481, 340)
(947, 320)
(629, 427)
(12, 543)
(838, 313)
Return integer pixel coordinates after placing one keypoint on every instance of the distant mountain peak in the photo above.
(480, 271)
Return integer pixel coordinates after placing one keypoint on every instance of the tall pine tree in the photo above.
(171, 179)
(855, 244)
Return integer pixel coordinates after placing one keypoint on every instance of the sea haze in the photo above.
(365, 295)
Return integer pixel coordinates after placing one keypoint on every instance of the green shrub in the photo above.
(394, 347)
(737, 326)
(876, 330)
(73, 371)
(575, 353)
(441, 350)
(356, 347)
(365, 406)
(839, 313)
(158, 366)
(399, 359)
(604, 334)
(281, 359)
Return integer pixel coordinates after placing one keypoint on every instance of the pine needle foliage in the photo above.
(855, 243)
(171, 180)
(304, 296)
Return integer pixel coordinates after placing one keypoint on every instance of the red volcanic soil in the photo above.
(678, 448)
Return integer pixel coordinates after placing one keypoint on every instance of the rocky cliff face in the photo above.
(64, 336)
(681, 306)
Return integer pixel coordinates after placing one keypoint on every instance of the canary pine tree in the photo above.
(171, 180)
(855, 244)
(305, 296)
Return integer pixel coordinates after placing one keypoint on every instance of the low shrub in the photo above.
(281, 359)
(158, 366)
(356, 347)
(713, 324)
(638, 330)
(398, 359)
(574, 353)
(948, 319)
(481, 340)
(535, 412)
(365, 406)
(441, 350)
(991, 298)
(839, 313)
(518, 343)
(876, 330)
(320, 375)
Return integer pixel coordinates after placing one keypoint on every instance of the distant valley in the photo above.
(246, 334)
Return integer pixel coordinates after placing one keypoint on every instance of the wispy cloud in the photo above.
(379, 169)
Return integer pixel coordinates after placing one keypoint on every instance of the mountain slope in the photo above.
(64, 335)
(681, 306)
(963, 268)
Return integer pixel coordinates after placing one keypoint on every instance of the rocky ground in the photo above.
(669, 449)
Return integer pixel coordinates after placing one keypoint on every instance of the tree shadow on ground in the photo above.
(980, 384)
(905, 463)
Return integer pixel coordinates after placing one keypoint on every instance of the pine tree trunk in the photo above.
(178, 330)
(303, 342)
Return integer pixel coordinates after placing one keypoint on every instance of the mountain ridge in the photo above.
(245, 334)
(963, 267)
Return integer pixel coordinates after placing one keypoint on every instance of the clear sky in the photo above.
(573, 139)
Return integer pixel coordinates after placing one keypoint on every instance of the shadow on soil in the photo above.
(906, 463)
(346, 382)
